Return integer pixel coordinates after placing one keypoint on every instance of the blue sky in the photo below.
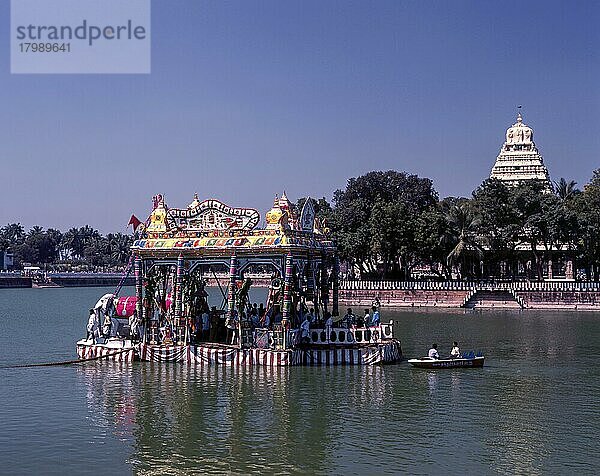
(246, 99)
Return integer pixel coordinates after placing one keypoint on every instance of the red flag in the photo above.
(134, 221)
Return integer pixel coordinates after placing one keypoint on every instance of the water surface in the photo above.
(532, 410)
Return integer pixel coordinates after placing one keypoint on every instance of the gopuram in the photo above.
(519, 159)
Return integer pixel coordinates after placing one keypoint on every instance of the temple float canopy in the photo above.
(177, 252)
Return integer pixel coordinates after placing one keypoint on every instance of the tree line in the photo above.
(392, 225)
(83, 248)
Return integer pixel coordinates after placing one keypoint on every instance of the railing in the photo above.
(354, 335)
(467, 286)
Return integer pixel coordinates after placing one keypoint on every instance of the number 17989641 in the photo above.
(45, 47)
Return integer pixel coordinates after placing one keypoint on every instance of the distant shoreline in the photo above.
(451, 295)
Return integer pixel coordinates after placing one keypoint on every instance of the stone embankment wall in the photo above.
(542, 295)
(403, 298)
(90, 280)
(578, 300)
(9, 281)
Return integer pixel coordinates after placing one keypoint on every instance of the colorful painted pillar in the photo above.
(336, 286)
(232, 285)
(310, 279)
(178, 291)
(324, 286)
(287, 297)
(137, 267)
(287, 290)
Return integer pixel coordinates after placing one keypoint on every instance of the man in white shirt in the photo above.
(433, 353)
(91, 327)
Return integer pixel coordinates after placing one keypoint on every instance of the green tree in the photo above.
(119, 246)
(462, 231)
(498, 226)
(586, 206)
(374, 219)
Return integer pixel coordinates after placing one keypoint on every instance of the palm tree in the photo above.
(14, 233)
(35, 231)
(566, 190)
(462, 232)
(119, 247)
(73, 242)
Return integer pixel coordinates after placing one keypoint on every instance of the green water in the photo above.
(532, 410)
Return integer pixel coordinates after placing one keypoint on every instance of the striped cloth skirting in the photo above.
(383, 353)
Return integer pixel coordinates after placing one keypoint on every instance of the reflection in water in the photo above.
(530, 410)
(220, 419)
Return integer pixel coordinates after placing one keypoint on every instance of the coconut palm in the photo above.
(14, 233)
(462, 232)
(72, 242)
(566, 190)
(119, 245)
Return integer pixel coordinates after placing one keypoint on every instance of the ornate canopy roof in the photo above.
(210, 227)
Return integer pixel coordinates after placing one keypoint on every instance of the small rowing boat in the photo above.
(429, 363)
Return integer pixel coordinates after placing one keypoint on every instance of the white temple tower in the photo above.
(519, 158)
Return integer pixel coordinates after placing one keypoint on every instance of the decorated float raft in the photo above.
(176, 250)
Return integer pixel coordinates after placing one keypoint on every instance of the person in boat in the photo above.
(375, 320)
(349, 319)
(455, 352)
(328, 320)
(91, 326)
(433, 353)
(367, 318)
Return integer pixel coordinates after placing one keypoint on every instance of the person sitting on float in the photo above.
(312, 316)
(214, 324)
(375, 319)
(455, 352)
(349, 319)
(91, 326)
(366, 319)
(277, 317)
(107, 327)
(134, 327)
(255, 318)
(265, 322)
(205, 325)
(232, 323)
(305, 329)
(433, 353)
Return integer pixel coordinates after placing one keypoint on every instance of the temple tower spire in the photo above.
(519, 159)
